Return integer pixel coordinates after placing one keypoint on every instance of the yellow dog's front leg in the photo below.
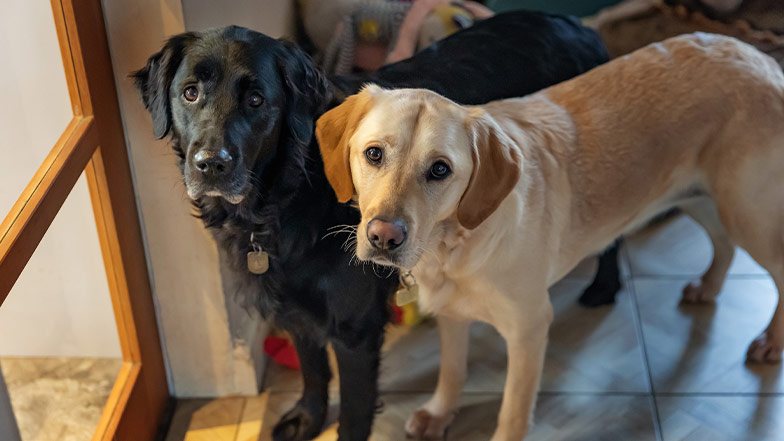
(432, 419)
(526, 342)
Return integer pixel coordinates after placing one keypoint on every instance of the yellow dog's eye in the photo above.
(438, 171)
(374, 155)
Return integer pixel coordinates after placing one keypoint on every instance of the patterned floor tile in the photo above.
(557, 418)
(702, 348)
(722, 418)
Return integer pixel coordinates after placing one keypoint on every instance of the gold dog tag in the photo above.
(408, 291)
(258, 261)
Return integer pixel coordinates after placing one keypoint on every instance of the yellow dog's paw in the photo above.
(765, 350)
(423, 425)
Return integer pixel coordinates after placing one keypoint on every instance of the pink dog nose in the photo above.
(386, 235)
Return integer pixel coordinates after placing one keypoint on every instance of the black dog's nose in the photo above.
(386, 235)
(212, 162)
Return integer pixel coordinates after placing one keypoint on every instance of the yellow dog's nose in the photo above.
(386, 235)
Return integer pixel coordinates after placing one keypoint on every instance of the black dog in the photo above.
(241, 109)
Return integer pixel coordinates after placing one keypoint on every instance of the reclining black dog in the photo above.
(241, 108)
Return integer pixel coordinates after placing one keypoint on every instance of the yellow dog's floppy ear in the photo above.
(333, 130)
(496, 170)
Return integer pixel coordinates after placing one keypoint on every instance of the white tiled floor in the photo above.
(722, 418)
(702, 348)
(646, 368)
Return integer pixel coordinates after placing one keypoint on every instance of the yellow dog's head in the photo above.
(416, 161)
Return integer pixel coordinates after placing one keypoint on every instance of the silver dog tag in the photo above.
(408, 291)
(258, 261)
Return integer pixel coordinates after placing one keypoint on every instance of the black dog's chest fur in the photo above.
(313, 285)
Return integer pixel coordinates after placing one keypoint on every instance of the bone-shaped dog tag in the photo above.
(258, 261)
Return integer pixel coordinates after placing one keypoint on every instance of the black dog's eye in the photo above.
(439, 170)
(374, 155)
(191, 93)
(255, 100)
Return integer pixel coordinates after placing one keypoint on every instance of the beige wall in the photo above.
(273, 17)
(210, 346)
(60, 305)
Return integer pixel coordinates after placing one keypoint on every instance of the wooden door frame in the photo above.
(94, 141)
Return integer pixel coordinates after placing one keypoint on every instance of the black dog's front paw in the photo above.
(299, 424)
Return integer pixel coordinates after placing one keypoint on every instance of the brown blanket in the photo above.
(636, 23)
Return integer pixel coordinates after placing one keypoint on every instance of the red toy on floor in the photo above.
(282, 351)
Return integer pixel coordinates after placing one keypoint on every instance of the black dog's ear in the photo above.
(307, 91)
(154, 79)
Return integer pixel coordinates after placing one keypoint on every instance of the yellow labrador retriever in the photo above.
(488, 206)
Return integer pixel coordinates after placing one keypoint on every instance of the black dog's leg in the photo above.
(306, 419)
(607, 281)
(358, 371)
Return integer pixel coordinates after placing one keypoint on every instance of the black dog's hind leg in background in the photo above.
(358, 371)
(306, 419)
(607, 281)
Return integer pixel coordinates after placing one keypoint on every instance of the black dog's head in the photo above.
(228, 97)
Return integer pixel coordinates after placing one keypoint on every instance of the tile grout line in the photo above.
(644, 349)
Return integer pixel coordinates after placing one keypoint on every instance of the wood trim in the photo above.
(31, 215)
(117, 217)
(73, 61)
(15, 211)
(112, 258)
(140, 394)
(117, 401)
(67, 57)
(24, 226)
